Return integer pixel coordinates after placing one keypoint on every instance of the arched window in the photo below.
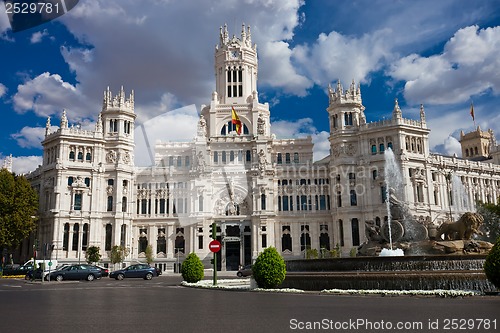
(161, 244)
(66, 237)
(354, 198)
(286, 239)
(341, 232)
(76, 231)
(72, 155)
(229, 128)
(355, 232)
(80, 156)
(88, 157)
(324, 241)
(85, 237)
(87, 181)
(109, 234)
(248, 156)
(123, 234)
(305, 238)
(70, 181)
(110, 204)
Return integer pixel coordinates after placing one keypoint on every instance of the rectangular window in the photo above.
(295, 157)
(200, 242)
(110, 204)
(285, 203)
(322, 202)
(264, 240)
(162, 206)
(383, 193)
(355, 232)
(374, 149)
(287, 158)
(280, 159)
(78, 202)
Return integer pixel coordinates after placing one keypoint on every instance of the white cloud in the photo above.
(4, 23)
(452, 146)
(31, 137)
(335, 56)
(302, 128)
(24, 164)
(3, 90)
(154, 48)
(174, 125)
(468, 66)
(48, 94)
(38, 36)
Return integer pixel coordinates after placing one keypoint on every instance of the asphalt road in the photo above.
(161, 305)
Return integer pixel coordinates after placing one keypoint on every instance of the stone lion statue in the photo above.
(468, 225)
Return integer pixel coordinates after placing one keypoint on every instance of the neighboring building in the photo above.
(261, 191)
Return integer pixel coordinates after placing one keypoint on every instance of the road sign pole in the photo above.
(214, 236)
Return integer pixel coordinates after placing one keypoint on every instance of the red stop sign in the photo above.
(214, 246)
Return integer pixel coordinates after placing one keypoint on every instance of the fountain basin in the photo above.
(458, 272)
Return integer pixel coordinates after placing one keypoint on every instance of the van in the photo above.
(46, 265)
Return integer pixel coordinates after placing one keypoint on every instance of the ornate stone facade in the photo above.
(261, 191)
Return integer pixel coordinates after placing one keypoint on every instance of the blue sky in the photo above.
(440, 53)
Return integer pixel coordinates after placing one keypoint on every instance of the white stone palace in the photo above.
(261, 191)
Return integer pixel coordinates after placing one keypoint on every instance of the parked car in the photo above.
(135, 271)
(76, 272)
(104, 271)
(245, 271)
(16, 269)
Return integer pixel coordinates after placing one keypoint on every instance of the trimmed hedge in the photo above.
(492, 264)
(269, 269)
(192, 269)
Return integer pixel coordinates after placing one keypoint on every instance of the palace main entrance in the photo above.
(236, 239)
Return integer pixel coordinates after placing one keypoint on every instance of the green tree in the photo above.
(269, 270)
(92, 254)
(18, 205)
(492, 265)
(491, 225)
(149, 254)
(192, 268)
(118, 254)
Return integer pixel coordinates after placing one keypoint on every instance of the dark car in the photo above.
(104, 271)
(135, 271)
(16, 269)
(76, 272)
(245, 271)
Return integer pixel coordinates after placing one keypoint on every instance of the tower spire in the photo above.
(64, 120)
(47, 127)
(396, 112)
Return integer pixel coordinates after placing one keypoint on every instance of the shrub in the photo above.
(312, 254)
(192, 269)
(269, 269)
(492, 264)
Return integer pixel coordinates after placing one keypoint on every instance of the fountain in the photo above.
(399, 255)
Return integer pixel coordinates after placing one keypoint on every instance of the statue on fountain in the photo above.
(463, 229)
(458, 236)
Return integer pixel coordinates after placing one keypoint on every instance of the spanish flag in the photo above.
(236, 120)
(472, 111)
